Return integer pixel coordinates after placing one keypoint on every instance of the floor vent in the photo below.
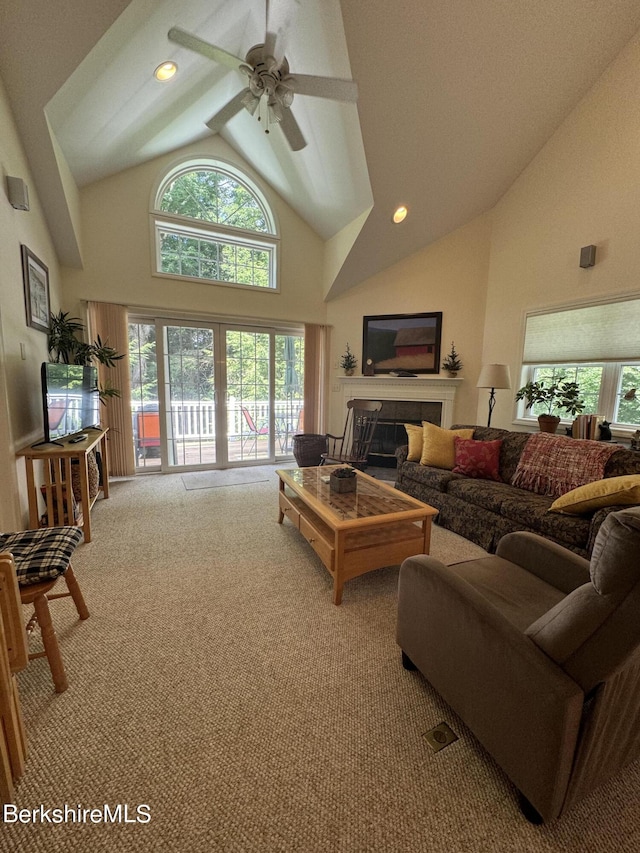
(439, 737)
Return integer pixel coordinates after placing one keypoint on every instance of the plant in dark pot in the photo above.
(559, 396)
(343, 480)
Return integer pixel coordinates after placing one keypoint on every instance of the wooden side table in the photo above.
(57, 467)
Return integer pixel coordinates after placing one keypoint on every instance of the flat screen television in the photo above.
(70, 399)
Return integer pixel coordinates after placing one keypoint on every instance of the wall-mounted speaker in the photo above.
(587, 256)
(18, 193)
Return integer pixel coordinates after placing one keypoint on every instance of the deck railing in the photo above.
(195, 419)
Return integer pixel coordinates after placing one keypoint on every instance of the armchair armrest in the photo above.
(551, 562)
(522, 707)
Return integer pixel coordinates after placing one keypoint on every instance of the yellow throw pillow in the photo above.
(414, 434)
(438, 447)
(612, 491)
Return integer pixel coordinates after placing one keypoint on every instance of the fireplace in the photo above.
(410, 400)
(390, 432)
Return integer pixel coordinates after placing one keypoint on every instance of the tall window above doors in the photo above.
(213, 224)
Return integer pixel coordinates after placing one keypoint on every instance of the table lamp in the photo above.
(494, 376)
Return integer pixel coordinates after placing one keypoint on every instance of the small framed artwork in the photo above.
(35, 276)
(405, 343)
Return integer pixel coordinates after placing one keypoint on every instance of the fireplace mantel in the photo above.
(436, 389)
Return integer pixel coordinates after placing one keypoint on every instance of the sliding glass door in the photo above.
(214, 395)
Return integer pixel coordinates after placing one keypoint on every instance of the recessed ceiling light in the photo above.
(400, 214)
(165, 71)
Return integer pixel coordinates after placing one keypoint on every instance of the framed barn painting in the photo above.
(402, 342)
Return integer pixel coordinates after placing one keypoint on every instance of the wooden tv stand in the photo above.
(57, 470)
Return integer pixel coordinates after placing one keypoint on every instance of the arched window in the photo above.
(213, 224)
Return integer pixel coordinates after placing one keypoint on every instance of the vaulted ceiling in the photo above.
(455, 99)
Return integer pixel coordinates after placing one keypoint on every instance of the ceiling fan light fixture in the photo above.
(400, 214)
(165, 71)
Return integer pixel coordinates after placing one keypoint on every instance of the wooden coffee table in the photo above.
(354, 532)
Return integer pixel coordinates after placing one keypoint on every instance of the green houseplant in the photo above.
(559, 396)
(348, 362)
(66, 346)
(452, 363)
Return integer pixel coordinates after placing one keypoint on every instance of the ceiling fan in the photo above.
(269, 81)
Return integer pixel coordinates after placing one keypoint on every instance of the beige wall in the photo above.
(583, 188)
(449, 276)
(20, 398)
(117, 252)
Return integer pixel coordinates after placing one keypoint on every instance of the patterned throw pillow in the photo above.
(480, 459)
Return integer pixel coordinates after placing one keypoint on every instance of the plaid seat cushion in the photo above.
(43, 554)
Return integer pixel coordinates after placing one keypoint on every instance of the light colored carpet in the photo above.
(216, 682)
(224, 477)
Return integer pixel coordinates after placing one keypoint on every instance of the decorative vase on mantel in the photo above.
(548, 423)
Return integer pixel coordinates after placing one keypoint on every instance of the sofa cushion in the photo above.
(531, 511)
(478, 459)
(614, 564)
(438, 448)
(612, 491)
(622, 462)
(434, 478)
(485, 494)
(555, 464)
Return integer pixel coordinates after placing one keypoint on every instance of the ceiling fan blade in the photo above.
(196, 44)
(325, 87)
(292, 131)
(279, 17)
(218, 121)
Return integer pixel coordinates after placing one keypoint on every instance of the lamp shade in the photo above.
(494, 376)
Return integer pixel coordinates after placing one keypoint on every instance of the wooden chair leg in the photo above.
(50, 642)
(76, 593)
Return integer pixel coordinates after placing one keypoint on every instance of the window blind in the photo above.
(605, 332)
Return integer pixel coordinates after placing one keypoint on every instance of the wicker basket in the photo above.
(308, 449)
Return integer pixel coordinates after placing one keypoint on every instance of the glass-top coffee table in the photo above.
(354, 532)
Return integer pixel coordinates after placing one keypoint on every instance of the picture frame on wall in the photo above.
(35, 277)
(402, 342)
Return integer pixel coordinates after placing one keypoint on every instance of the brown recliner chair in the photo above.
(538, 651)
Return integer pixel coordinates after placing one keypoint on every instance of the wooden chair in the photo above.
(39, 558)
(352, 447)
(13, 658)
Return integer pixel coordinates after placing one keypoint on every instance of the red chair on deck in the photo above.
(254, 432)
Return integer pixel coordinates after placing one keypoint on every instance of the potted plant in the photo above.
(343, 480)
(558, 396)
(348, 362)
(65, 346)
(452, 363)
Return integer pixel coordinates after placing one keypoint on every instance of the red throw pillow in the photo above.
(479, 459)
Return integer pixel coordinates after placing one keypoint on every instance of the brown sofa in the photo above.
(483, 511)
(538, 652)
